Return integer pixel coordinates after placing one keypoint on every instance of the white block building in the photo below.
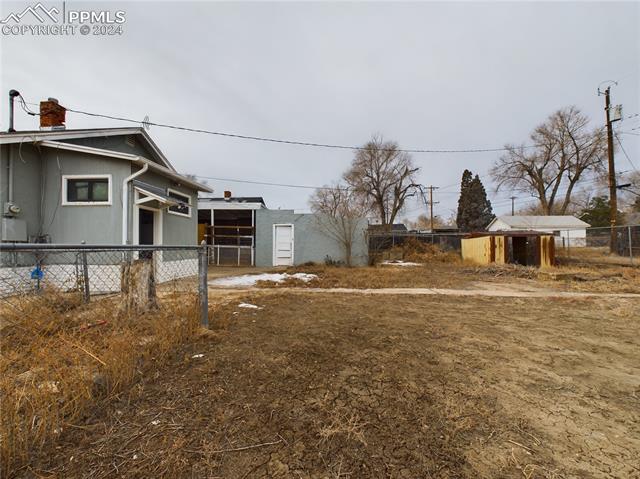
(567, 230)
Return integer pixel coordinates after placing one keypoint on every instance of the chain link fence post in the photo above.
(203, 289)
(630, 244)
(85, 276)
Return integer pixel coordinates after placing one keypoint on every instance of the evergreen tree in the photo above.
(597, 212)
(474, 208)
(463, 207)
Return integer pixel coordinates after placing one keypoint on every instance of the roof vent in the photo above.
(130, 140)
(227, 195)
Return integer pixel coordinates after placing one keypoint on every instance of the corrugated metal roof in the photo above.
(540, 222)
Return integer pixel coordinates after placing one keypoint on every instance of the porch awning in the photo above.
(154, 199)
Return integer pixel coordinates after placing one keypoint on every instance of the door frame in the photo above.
(275, 227)
(157, 224)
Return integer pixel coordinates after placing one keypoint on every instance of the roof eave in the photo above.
(139, 160)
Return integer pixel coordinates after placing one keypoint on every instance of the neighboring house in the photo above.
(567, 230)
(100, 186)
(284, 238)
(244, 232)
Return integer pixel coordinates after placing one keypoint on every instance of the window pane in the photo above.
(87, 190)
(78, 190)
(182, 208)
(100, 190)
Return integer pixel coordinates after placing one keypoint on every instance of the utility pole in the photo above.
(513, 205)
(613, 191)
(431, 188)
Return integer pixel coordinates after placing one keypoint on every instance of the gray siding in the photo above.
(176, 229)
(38, 191)
(310, 242)
(116, 143)
(94, 224)
(26, 183)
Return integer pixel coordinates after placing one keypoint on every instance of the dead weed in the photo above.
(59, 356)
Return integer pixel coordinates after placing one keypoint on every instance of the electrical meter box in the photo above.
(14, 229)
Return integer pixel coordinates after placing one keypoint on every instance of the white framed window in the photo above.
(86, 190)
(184, 208)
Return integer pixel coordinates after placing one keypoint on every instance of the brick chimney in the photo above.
(227, 195)
(52, 115)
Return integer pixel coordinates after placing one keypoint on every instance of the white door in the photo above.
(283, 245)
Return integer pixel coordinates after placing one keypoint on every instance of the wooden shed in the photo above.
(527, 248)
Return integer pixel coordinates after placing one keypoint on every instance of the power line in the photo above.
(289, 142)
(625, 151)
(266, 183)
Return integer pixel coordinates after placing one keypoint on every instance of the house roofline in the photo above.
(37, 135)
(139, 160)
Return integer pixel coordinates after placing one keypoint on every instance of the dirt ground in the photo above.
(378, 386)
(603, 279)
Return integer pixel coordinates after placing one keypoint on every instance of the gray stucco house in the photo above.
(100, 186)
(242, 231)
(285, 238)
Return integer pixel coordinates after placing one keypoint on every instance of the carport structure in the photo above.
(228, 225)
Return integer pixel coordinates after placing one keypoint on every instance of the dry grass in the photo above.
(59, 356)
(444, 269)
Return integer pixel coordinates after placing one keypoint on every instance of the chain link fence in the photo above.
(112, 276)
(577, 246)
(619, 245)
(386, 240)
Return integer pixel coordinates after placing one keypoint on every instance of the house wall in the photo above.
(310, 242)
(26, 182)
(38, 191)
(94, 224)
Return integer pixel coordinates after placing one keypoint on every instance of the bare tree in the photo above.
(339, 214)
(384, 176)
(565, 152)
(423, 222)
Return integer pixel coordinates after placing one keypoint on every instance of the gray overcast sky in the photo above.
(428, 75)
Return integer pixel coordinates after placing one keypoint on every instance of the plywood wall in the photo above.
(547, 251)
(478, 250)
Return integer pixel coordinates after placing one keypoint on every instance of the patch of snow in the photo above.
(195, 356)
(399, 263)
(249, 306)
(252, 279)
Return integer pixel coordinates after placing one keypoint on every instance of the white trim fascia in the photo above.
(108, 176)
(158, 225)
(20, 137)
(220, 205)
(172, 190)
(150, 196)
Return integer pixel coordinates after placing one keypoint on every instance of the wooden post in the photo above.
(138, 286)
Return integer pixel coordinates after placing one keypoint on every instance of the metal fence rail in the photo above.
(92, 272)
(590, 245)
(385, 240)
